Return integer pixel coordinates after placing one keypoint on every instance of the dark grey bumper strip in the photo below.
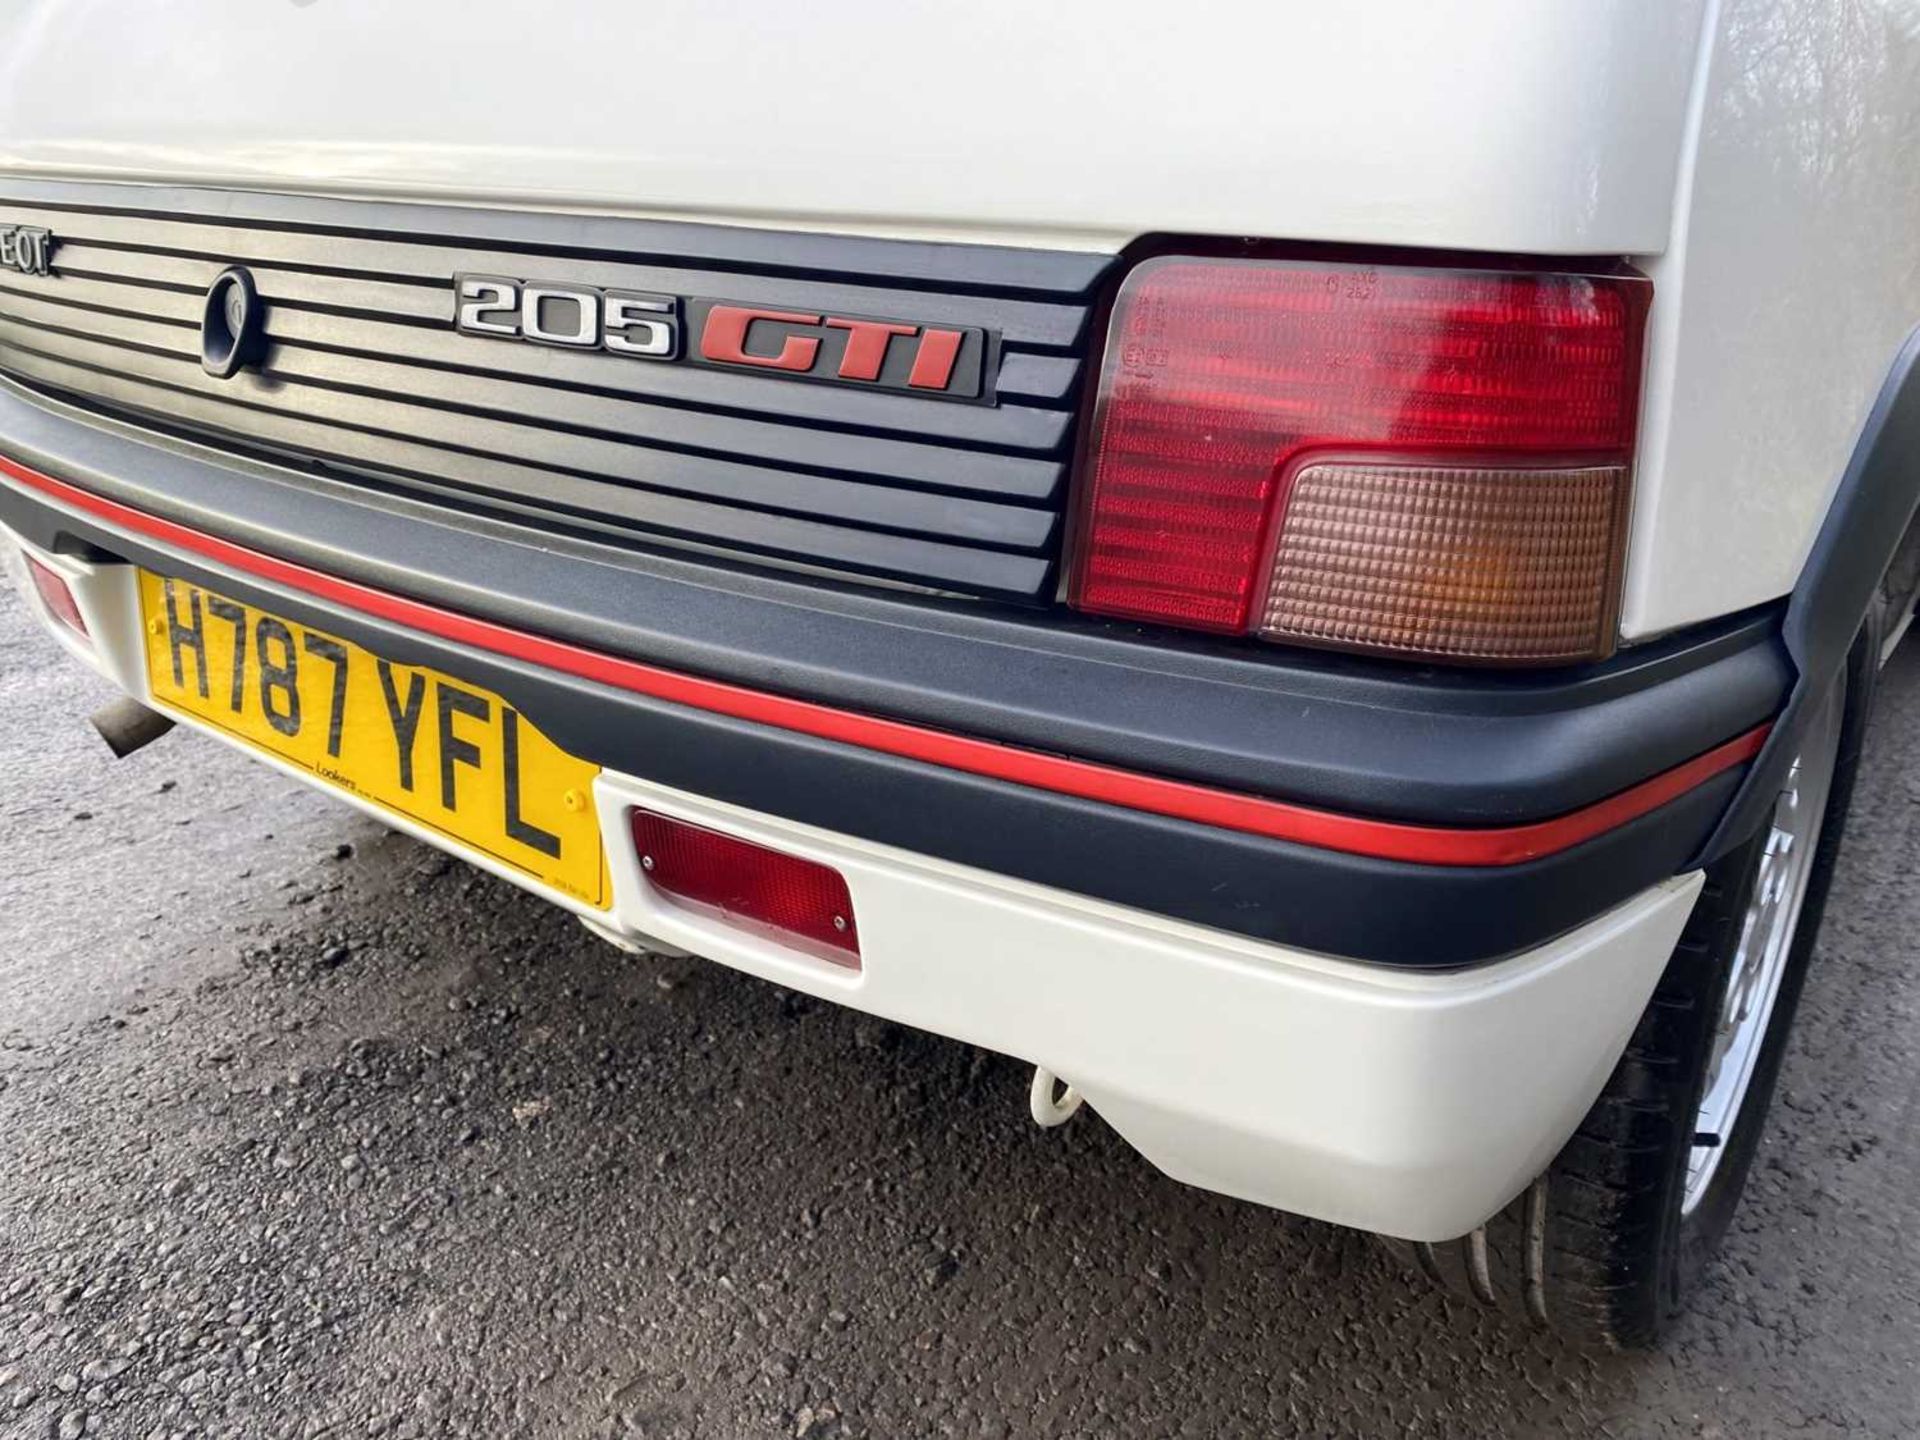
(1389, 912)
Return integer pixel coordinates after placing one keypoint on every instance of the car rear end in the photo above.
(1194, 665)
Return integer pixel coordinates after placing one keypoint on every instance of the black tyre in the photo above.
(1608, 1244)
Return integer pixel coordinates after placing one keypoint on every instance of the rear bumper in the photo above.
(1410, 1103)
(1278, 797)
(1172, 963)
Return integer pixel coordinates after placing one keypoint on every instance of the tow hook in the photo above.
(127, 725)
(1050, 1101)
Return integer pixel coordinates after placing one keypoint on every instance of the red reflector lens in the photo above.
(1223, 377)
(797, 901)
(56, 596)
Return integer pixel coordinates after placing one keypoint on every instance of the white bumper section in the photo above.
(1415, 1105)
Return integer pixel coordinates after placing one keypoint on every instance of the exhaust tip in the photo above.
(127, 725)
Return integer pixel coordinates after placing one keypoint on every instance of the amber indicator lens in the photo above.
(1481, 564)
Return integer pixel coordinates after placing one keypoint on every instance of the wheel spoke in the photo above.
(1759, 963)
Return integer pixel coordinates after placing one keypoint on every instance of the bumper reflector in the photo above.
(1466, 562)
(57, 597)
(793, 901)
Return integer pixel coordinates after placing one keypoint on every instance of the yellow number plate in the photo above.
(449, 755)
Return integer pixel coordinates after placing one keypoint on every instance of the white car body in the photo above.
(1755, 158)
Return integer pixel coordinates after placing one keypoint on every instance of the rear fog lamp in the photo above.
(795, 902)
(57, 596)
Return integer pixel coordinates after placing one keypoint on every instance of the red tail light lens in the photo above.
(797, 902)
(57, 596)
(1427, 403)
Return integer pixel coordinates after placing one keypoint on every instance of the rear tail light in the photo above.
(57, 596)
(796, 902)
(1413, 461)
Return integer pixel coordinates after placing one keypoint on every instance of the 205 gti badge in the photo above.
(27, 249)
(947, 362)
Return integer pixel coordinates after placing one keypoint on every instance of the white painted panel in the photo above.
(1510, 125)
(1794, 276)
